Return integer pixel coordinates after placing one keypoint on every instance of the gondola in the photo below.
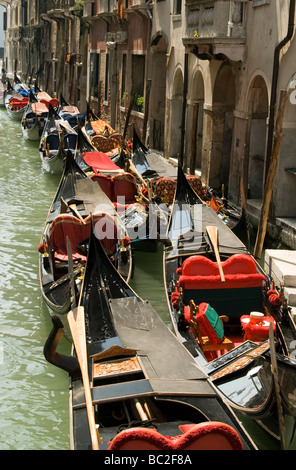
(3, 89)
(57, 139)
(71, 114)
(225, 310)
(123, 186)
(16, 100)
(69, 216)
(162, 176)
(133, 386)
(34, 117)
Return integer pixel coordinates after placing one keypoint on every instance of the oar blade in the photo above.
(212, 231)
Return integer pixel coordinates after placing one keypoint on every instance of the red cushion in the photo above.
(203, 436)
(257, 331)
(232, 281)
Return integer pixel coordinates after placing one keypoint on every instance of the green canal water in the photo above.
(34, 402)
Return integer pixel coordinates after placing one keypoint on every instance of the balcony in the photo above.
(215, 29)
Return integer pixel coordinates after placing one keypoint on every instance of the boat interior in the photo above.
(223, 308)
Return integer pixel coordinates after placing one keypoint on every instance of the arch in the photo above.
(157, 97)
(257, 98)
(224, 99)
(194, 125)
(176, 103)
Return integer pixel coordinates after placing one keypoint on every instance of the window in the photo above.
(94, 74)
(138, 80)
(178, 7)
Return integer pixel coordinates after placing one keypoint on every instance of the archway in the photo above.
(157, 93)
(195, 122)
(176, 104)
(256, 140)
(222, 128)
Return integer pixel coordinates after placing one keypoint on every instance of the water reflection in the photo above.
(34, 395)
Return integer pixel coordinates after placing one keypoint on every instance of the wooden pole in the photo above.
(212, 231)
(270, 177)
(193, 139)
(77, 327)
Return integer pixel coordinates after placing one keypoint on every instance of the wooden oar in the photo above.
(213, 235)
(277, 390)
(77, 326)
(73, 208)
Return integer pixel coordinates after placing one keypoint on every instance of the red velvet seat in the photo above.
(121, 189)
(124, 185)
(106, 184)
(211, 435)
(68, 225)
(199, 272)
(78, 232)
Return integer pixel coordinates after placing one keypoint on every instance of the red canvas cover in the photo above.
(100, 161)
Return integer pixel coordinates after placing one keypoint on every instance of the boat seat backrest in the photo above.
(78, 232)
(166, 187)
(124, 185)
(117, 139)
(102, 143)
(67, 225)
(53, 141)
(105, 230)
(70, 141)
(106, 184)
(241, 292)
(54, 103)
(210, 435)
(238, 270)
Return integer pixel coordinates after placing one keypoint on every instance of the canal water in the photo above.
(34, 403)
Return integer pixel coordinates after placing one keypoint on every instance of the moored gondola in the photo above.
(71, 114)
(133, 386)
(222, 305)
(69, 216)
(35, 116)
(16, 100)
(161, 178)
(58, 138)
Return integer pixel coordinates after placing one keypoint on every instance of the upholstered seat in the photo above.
(210, 435)
(121, 189)
(165, 188)
(201, 273)
(78, 231)
(200, 280)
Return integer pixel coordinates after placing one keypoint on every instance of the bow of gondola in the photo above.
(146, 390)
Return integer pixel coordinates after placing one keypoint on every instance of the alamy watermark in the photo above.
(154, 225)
